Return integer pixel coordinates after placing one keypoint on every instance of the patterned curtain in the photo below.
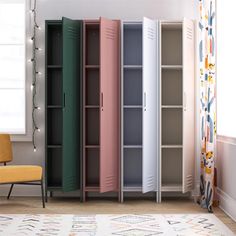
(208, 103)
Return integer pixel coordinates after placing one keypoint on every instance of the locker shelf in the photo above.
(92, 146)
(171, 146)
(91, 189)
(132, 146)
(54, 188)
(54, 146)
(171, 24)
(92, 106)
(132, 66)
(132, 106)
(92, 66)
(171, 188)
(172, 67)
(54, 107)
(132, 188)
(170, 107)
(54, 66)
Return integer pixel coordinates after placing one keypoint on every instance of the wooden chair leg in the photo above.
(9, 194)
(43, 197)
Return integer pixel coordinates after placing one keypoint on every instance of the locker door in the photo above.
(71, 103)
(188, 105)
(150, 105)
(109, 104)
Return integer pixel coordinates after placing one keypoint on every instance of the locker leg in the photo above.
(46, 195)
(84, 196)
(119, 196)
(122, 197)
(81, 195)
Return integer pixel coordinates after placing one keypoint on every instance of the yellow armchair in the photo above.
(17, 174)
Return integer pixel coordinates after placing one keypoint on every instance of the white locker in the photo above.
(150, 105)
(188, 103)
(139, 108)
(177, 105)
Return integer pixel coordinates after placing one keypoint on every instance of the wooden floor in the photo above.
(18, 205)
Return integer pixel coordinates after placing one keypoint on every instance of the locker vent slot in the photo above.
(189, 181)
(151, 33)
(70, 181)
(110, 180)
(189, 33)
(73, 32)
(110, 33)
(150, 181)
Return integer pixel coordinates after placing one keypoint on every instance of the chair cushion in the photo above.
(12, 174)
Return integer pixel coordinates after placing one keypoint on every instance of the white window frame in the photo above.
(27, 136)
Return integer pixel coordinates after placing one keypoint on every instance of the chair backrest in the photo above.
(5, 148)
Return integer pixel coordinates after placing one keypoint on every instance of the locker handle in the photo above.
(64, 100)
(102, 101)
(144, 101)
(185, 102)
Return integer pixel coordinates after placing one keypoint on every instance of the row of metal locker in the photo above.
(119, 106)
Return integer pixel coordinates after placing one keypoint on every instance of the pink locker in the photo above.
(101, 158)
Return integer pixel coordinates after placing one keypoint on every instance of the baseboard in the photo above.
(196, 191)
(21, 190)
(227, 204)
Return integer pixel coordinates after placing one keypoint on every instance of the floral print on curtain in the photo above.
(208, 103)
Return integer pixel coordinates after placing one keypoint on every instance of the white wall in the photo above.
(226, 164)
(80, 9)
(123, 9)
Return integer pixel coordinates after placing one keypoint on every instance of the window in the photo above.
(226, 76)
(12, 67)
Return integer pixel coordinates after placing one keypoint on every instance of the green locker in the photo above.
(63, 121)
